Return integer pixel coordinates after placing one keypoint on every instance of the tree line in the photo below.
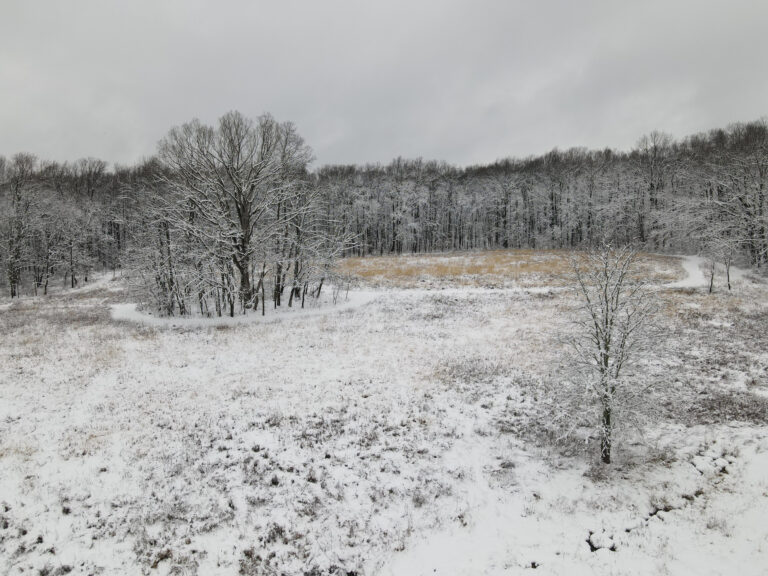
(705, 193)
(226, 218)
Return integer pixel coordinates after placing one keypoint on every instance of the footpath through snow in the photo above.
(129, 313)
(695, 276)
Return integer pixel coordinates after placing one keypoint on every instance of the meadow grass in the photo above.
(523, 267)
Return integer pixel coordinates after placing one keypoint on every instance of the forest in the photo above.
(231, 218)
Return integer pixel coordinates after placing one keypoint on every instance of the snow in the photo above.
(695, 276)
(128, 312)
(395, 433)
(535, 525)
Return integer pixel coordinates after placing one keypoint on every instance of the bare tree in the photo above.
(16, 224)
(88, 176)
(232, 182)
(611, 329)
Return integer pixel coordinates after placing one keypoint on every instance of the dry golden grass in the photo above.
(698, 303)
(492, 268)
(658, 268)
(463, 268)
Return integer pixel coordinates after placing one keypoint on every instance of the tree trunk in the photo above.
(246, 292)
(278, 287)
(72, 265)
(605, 436)
(263, 296)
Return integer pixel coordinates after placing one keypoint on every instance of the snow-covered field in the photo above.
(400, 432)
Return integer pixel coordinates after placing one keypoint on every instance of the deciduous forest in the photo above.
(234, 217)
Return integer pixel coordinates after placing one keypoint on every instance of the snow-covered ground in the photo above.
(696, 277)
(401, 432)
(129, 312)
(694, 273)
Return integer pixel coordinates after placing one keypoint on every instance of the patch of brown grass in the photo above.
(658, 268)
(463, 268)
(491, 268)
(698, 303)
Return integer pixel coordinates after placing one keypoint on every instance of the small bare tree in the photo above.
(611, 329)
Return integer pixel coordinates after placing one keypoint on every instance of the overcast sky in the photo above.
(462, 81)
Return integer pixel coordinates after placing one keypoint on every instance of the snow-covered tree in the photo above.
(611, 329)
(231, 185)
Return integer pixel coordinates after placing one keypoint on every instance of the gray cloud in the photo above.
(463, 81)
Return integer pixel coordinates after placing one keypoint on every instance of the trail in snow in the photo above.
(129, 313)
(695, 277)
